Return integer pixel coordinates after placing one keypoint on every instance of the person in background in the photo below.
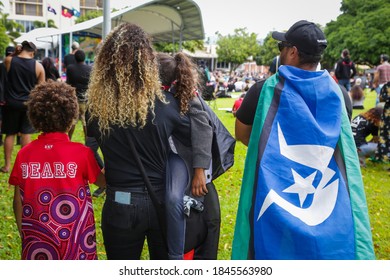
(125, 103)
(51, 71)
(381, 75)
(77, 75)
(383, 151)
(3, 80)
(345, 70)
(357, 95)
(69, 59)
(297, 201)
(52, 201)
(274, 65)
(237, 104)
(23, 73)
(364, 125)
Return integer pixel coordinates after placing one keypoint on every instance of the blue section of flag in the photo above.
(76, 13)
(302, 208)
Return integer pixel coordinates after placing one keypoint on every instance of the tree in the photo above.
(89, 15)
(4, 40)
(13, 28)
(237, 48)
(363, 28)
(40, 24)
(268, 51)
(191, 46)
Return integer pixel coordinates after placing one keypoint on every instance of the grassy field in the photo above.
(376, 180)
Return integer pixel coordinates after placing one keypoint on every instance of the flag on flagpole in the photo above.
(75, 12)
(51, 9)
(66, 12)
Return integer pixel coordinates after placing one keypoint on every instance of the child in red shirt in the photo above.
(52, 201)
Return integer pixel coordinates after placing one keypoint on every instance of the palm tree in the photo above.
(4, 40)
(13, 28)
(40, 24)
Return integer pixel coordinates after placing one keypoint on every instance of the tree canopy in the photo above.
(363, 28)
(237, 48)
(191, 46)
(89, 15)
(40, 24)
(9, 30)
(268, 51)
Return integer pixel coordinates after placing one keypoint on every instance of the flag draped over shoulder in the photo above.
(302, 194)
(66, 12)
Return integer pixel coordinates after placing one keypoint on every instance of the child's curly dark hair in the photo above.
(52, 107)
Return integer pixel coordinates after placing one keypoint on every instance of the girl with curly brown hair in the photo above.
(126, 102)
(52, 202)
(187, 167)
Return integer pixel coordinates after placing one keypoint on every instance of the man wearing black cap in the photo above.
(23, 73)
(302, 195)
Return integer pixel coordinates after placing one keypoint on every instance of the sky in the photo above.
(258, 16)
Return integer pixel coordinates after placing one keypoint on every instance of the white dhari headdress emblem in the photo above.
(325, 195)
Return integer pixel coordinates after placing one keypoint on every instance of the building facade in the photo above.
(26, 12)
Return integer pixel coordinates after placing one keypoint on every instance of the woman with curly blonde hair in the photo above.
(125, 104)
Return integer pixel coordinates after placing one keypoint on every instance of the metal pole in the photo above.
(45, 15)
(60, 49)
(106, 18)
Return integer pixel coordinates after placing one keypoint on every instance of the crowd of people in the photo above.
(302, 195)
(144, 111)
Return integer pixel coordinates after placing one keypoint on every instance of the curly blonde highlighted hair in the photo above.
(124, 82)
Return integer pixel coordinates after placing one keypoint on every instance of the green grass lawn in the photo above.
(375, 177)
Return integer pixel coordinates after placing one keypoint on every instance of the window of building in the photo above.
(28, 25)
(29, 8)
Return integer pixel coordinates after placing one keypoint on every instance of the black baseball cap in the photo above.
(304, 35)
(9, 50)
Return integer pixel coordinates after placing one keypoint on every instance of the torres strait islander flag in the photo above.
(302, 195)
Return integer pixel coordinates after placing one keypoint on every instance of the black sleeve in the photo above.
(347, 101)
(353, 67)
(337, 70)
(201, 135)
(246, 112)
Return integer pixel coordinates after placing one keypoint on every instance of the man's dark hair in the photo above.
(384, 57)
(29, 46)
(305, 58)
(52, 107)
(79, 56)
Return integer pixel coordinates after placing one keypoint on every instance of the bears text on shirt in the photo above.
(33, 170)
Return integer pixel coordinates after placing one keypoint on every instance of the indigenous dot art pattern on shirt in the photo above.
(57, 218)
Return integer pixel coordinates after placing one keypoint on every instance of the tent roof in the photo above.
(41, 37)
(164, 20)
